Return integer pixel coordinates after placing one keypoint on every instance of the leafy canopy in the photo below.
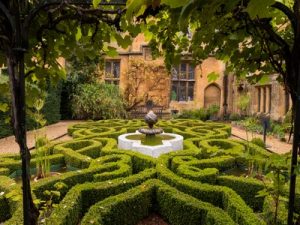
(252, 37)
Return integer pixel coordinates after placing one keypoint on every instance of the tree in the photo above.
(33, 35)
(254, 38)
(147, 76)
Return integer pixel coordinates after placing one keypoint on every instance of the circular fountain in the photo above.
(150, 141)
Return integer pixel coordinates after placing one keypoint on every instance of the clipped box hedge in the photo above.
(122, 181)
(220, 196)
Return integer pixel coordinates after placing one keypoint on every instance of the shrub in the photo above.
(200, 114)
(10, 200)
(82, 196)
(207, 175)
(129, 207)
(222, 197)
(288, 117)
(51, 109)
(112, 183)
(126, 208)
(171, 202)
(234, 117)
(247, 188)
(98, 101)
(259, 142)
(243, 102)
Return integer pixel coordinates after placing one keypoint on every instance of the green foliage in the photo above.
(11, 198)
(200, 114)
(213, 110)
(234, 117)
(79, 71)
(78, 199)
(247, 188)
(212, 76)
(52, 108)
(42, 161)
(110, 183)
(51, 196)
(259, 142)
(98, 101)
(43, 105)
(243, 102)
(126, 208)
(234, 34)
(276, 179)
(37, 115)
(222, 197)
(288, 117)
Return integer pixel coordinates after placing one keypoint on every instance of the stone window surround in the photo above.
(186, 82)
(113, 78)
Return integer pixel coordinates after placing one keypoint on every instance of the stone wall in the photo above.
(143, 78)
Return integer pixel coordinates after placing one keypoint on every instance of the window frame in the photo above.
(112, 79)
(183, 83)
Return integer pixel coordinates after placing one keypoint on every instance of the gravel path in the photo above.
(58, 131)
(153, 219)
(273, 144)
(55, 131)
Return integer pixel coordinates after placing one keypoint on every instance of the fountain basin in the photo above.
(174, 144)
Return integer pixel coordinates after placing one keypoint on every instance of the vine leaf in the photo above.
(111, 51)
(4, 107)
(78, 34)
(257, 8)
(213, 76)
(175, 3)
(96, 3)
(133, 7)
(264, 80)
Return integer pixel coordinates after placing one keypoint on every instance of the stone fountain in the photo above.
(174, 142)
(151, 119)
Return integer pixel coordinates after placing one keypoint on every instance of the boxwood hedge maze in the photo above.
(202, 184)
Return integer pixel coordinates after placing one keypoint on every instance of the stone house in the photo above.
(142, 78)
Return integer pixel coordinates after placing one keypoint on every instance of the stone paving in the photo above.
(273, 144)
(58, 131)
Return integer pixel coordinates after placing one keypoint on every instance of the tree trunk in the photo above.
(295, 73)
(15, 62)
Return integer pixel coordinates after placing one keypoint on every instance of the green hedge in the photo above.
(10, 165)
(101, 172)
(81, 197)
(127, 208)
(13, 205)
(182, 209)
(139, 161)
(247, 188)
(130, 207)
(118, 166)
(79, 153)
(219, 196)
(207, 175)
(107, 176)
(219, 146)
(222, 163)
